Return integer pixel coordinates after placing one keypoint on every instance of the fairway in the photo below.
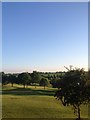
(35, 103)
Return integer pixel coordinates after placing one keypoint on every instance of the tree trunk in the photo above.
(79, 112)
(12, 84)
(35, 85)
(24, 85)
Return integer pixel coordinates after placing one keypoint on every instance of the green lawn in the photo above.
(35, 103)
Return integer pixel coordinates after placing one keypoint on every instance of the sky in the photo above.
(0, 36)
(44, 36)
(45, 0)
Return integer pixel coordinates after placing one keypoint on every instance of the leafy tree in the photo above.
(29, 81)
(5, 79)
(12, 79)
(24, 78)
(36, 77)
(55, 82)
(88, 77)
(44, 82)
(73, 90)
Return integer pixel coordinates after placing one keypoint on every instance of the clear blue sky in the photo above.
(0, 36)
(44, 36)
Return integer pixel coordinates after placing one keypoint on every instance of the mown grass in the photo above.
(35, 103)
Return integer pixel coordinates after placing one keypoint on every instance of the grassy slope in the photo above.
(35, 103)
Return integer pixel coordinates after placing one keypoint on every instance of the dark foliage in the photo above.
(24, 79)
(73, 89)
(44, 82)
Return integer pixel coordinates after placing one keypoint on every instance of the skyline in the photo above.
(44, 36)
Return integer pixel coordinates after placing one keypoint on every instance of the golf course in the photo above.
(31, 102)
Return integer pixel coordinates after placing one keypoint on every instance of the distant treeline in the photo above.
(35, 78)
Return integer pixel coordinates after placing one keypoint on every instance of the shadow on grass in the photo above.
(28, 91)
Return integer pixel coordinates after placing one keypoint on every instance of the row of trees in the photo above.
(25, 79)
(34, 78)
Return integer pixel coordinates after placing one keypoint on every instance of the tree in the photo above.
(12, 79)
(24, 78)
(55, 82)
(73, 90)
(44, 82)
(88, 77)
(5, 79)
(36, 77)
